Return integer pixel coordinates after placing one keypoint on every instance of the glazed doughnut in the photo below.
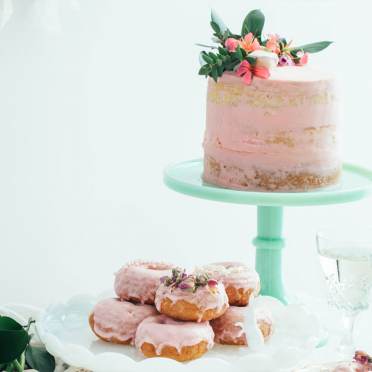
(240, 281)
(236, 326)
(161, 336)
(116, 321)
(138, 281)
(191, 297)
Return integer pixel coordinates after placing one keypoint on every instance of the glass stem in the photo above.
(347, 342)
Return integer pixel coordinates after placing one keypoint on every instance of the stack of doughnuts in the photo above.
(165, 312)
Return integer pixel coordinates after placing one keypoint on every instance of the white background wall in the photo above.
(96, 97)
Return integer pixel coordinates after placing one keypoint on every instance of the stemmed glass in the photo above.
(346, 259)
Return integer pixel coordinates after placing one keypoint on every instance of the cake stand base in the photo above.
(186, 178)
(269, 244)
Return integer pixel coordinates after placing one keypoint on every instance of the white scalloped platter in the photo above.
(64, 329)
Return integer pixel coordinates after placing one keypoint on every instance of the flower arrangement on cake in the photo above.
(251, 53)
(278, 132)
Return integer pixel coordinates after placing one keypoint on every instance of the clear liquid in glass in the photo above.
(348, 274)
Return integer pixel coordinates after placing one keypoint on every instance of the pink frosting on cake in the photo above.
(119, 319)
(204, 298)
(235, 274)
(139, 281)
(234, 324)
(161, 331)
(286, 126)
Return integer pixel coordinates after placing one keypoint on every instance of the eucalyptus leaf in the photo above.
(254, 22)
(313, 47)
(13, 340)
(38, 358)
(216, 19)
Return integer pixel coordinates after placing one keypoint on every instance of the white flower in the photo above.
(265, 59)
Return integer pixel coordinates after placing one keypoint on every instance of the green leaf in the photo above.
(13, 340)
(223, 51)
(254, 22)
(38, 358)
(213, 57)
(201, 60)
(216, 28)
(252, 60)
(226, 35)
(313, 47)
(218, 21)
(205, 70)
(207, 58)
(214, 73)
(238, 54)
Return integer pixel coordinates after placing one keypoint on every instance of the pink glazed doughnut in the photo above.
(116, 321)
(236, 327)
(161, 336)
(138, 281)
(194, 298)
(240, 281)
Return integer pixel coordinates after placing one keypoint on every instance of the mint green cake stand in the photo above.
(185, 178)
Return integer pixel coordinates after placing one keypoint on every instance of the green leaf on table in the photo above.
(38, 358)
(215, 18)
(13, 339)
(312, 48)
(254, 22)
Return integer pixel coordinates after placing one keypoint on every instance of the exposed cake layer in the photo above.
(276, 134)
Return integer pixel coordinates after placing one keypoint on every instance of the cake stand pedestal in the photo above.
(185, 178)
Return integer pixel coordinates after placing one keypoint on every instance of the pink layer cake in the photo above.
(279, 134)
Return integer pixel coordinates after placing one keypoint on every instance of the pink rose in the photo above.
(231, 44)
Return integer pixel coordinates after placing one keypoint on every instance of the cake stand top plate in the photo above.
(185, 177)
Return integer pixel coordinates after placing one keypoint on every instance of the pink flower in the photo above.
(249, 43)
(272, 44)
(184, 286)
(285, 60)
(303, 58)
(246, 71)
(362, 358)
(212, 283)
(231, 44)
